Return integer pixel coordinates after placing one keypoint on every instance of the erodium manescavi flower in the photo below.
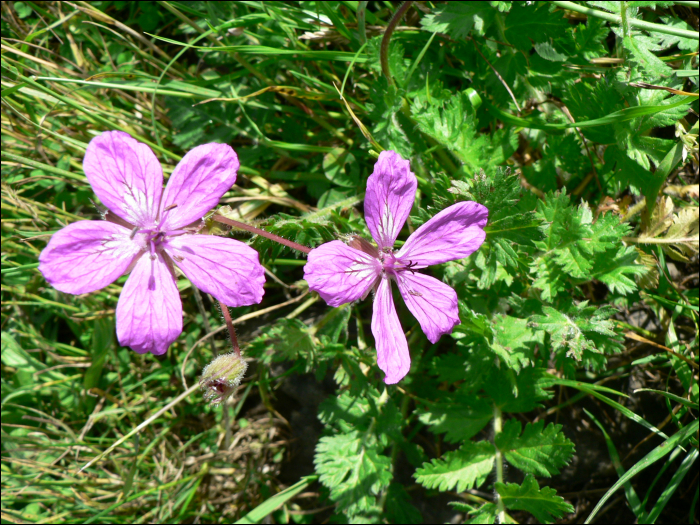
(149, 230)
(342, 273)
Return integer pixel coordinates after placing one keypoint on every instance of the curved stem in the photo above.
(384, 49)
(252, 229)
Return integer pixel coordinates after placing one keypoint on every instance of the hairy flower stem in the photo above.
(231, 329)
(384, 49)
(252, 229)
(497, 429)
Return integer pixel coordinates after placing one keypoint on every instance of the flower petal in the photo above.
(392, 348)
(431, 301)
(225, 268)
(197, 183)
(87, 255)
(391, 190)
(149, 311)
(126, 176)
(340, 274)
(454, 233)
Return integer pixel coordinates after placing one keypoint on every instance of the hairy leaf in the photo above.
(460, 470)
(543, 503)
(539, 450)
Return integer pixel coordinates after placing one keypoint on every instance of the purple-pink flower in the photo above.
(149, 230)
(342, 273)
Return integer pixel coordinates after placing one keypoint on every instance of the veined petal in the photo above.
(391, 190)
(431, 301)
(197, 183)
(88, 255)
(126, 176)
(392, 348)
(149, 311)
(225, 268)
(340, 274)
(454, 233)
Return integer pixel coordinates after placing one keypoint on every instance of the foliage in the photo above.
(578, 135)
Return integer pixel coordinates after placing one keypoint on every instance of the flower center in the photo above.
(390, 264)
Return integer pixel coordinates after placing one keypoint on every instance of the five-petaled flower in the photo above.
(343, 273)
(147, 231)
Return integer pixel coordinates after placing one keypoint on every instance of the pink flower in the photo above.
(147, 231)
(343, 273)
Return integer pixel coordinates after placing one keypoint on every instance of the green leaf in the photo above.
(457, 19)
(514, 342)
(520, 392)
(398, 507)
(641, 55)
(580, 331)
(532, 23)
(458, 420)
(543, 503)
(341, 168)
(540, 451)
(459, 470)
(547, 51)
(352, 468)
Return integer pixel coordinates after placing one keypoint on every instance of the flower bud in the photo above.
(221, 377)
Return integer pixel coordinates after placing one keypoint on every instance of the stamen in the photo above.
(133, 233)
(168, 208)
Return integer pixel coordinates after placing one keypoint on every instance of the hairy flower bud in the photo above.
(221, 377)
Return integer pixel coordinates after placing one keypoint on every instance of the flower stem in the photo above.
(252, 229)
(231, 329)
(497, 429)
(384, 49)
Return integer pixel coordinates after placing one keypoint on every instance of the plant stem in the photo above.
(497, 429)
(639, 24)
(231, 329)
(252, 229)
(361, 8)
(384, 49)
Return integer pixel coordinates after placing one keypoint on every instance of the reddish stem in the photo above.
(231, 329)
(384, 48)
(252, 229)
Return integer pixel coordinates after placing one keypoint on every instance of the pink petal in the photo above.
(392, 348)
(197, 183)
(431, 301)
(149, 311)
(126, 176)
(340, 274)
(454, 233)
(391, 190)
(225, 268)
(87, 255)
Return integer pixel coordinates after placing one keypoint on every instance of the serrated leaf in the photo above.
(459, 470)
(540, 451)
(398, 507)
(543, 503)
(532, 23)
(458, 420)
(640, 54)
(517, 392)
(514, 342)
(353, 470)
(579, 330)
(457, 19)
